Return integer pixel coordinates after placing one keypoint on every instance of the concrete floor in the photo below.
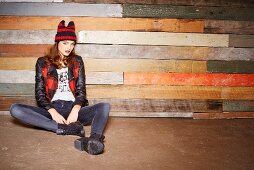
(134, 143)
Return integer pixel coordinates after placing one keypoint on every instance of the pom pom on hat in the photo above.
(65, 33)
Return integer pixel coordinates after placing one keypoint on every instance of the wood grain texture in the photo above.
(193, 79)
(115, 65)
(18, 63)
(240, 3)
(145, 65)
(134, 52)
(163, 52)
(145, 92)
(152, 114)
(138, 114)
(241, 40)
(132, 105)
(223, 115)
(103, 24)
(229, 27)
(117, 37)
(23, 50)
(56, 9)
(153, 38)
(238, 106)
(230, 67)
(31, 0)
(25, 76)
(193, 12)
(27, 36)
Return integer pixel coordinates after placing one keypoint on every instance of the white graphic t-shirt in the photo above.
(63, 91)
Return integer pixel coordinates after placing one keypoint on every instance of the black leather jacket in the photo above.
(46, 82)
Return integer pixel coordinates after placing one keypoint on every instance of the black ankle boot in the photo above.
(75, 128)
(92, 145)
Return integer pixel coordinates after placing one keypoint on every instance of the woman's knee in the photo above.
(16, 110)
(105, 107)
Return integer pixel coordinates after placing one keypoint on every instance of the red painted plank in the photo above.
(202, 79)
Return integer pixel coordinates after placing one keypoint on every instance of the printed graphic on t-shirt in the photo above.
(62, 81)
(63, 91)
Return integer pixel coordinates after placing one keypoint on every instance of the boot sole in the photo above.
(91, 146)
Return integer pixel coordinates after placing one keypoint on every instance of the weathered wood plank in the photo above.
(27, 36)
(138, 114)
(133, 105)
(115, 65)
(152, 114)
(103, 24)
(223, 115)
(194, 12)
(134, 52)
(18, 63)
(238, 106)
(31, 1)
(162, 105)
(7, 101)
(56, 9)
(241, 40)
(229, 27)
(230, 66)
(244, 3)
(7, 113)
(153, 38)
(25, 76)
(117, 37)
(146, 92)
(163, 52)
(193, 79)
(145, 65)
(23, 50)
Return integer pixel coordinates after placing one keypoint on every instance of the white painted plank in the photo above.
(5, 113)
(153, 38)
(26, 76)
(117, 37)
(27, 36)
(17, 76)
(104, 78)
(60, 9)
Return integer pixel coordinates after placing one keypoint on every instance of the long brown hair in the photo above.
(53, 57)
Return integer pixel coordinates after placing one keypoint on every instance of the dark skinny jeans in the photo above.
(95, 115)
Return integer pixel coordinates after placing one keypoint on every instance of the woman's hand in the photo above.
(56, 116)
(73, 116)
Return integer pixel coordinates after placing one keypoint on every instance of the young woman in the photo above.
(61, 95)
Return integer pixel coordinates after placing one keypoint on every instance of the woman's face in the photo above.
(65, 47)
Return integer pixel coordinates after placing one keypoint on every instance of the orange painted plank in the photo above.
(104, 24)
(196, 79)
(23, 50)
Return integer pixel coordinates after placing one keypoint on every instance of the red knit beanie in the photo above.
(65, 33)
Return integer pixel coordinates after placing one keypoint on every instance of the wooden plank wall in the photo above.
(148, 58)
